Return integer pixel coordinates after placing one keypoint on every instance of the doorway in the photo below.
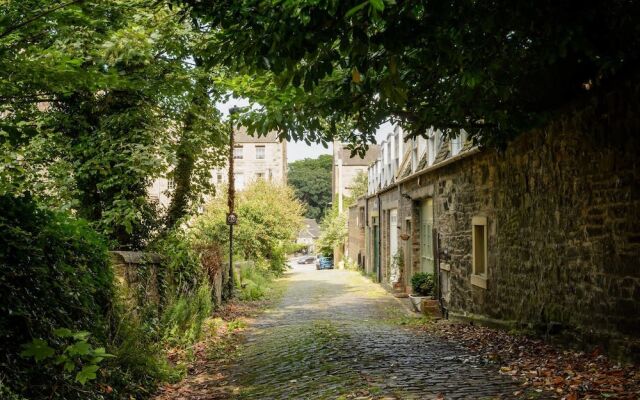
(376, 246)
(394, 276)
(426, 236)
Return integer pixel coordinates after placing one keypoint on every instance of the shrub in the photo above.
(423, 284)
(54, 273)
(60, 313)
(254, 283)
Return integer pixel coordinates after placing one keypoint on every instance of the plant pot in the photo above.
(404, 236)
(430, 307)
(417, 301)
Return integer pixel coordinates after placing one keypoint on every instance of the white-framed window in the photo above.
(432, 147)
(457, 143)
(238, 153)
(479, 252)
(219, 178)
(171, 184)
(414, 154)
(260, 152)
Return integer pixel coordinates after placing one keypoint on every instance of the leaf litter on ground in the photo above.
(544, 368)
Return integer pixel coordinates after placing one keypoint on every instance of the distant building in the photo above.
(308, 234)
(346, 168)
(255, 158)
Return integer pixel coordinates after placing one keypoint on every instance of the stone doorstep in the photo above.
(401, 298)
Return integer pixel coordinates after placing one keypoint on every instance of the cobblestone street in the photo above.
(337, 335)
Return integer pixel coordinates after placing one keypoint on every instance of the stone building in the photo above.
(544, 234)
(308, 235)
(262, 157)
(346, 168)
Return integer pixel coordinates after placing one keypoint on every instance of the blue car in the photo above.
(323, 262)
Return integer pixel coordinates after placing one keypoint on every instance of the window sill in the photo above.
(479, 281)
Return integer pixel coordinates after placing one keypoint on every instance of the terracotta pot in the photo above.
(430, 307)
(404, 236)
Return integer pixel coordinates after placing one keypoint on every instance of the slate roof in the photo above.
(370, 157)
(311, 229)
(241, 136)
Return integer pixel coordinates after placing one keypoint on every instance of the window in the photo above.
(260, 152)
(237, 152)
(260, 175)
(219, 178)
(432, 147)
(457, 143)
(171, 184)
(479, 251)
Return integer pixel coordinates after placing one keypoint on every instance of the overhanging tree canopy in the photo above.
(493, 68)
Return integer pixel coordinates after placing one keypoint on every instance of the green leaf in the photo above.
(79, 348)
(377, 5)
(356, 9)
(63, 332)
(38, 349)
(87, 373)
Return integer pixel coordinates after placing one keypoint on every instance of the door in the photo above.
(426, 236)
(376, 247)
(394, 276)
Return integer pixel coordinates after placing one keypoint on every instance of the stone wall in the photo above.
(356, 249)
(563, 218)
(139, 276)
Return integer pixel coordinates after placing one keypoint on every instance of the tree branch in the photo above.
(26, 22)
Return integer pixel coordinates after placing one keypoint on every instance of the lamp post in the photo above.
(232, 218)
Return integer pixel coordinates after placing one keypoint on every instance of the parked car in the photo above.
(307, 260)
(323, 262)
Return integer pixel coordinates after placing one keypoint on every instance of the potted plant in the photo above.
(423, 287)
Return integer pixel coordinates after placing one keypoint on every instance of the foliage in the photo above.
(333, 231)
(98, 108)
(254, 282)
(423, 284)
(54, 272)
(269, 218)
(359, 187)
(494, 68)
(183, 319)
(76, 356)
(61, 304)
(311, 179)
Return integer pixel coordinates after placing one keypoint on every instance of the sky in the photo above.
(300, 150)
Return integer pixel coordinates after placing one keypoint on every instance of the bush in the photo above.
(54, 273)
(60, 309)
(269, 218)
(254, 282)
(423, 284)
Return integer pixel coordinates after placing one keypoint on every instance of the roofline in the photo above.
(459, 157)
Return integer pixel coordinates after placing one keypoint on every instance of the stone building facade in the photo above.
(545, 233)
(262, 157)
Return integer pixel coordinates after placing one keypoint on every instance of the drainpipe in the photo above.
(443, 310)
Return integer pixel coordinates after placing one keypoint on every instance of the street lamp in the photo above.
(232, 218)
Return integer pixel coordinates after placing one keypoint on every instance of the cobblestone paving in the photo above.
(336, 335)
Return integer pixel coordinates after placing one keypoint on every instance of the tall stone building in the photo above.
(544, 234)
(346, 168)
(255, 158)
